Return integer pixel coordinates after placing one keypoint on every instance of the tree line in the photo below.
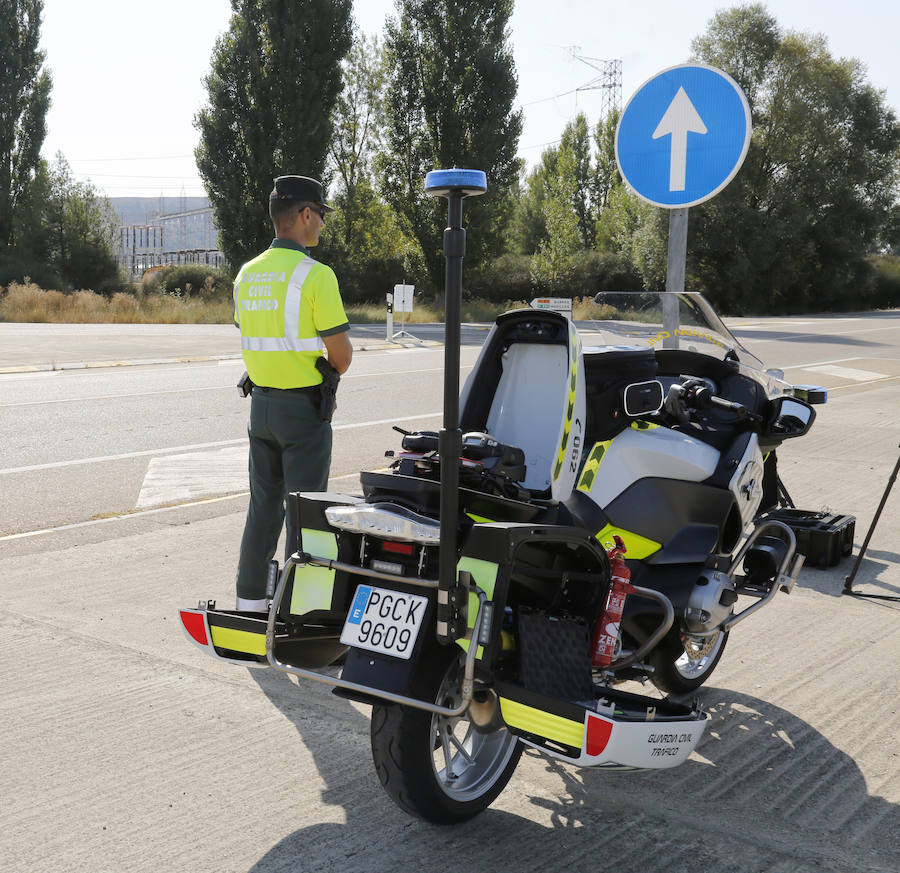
(55, 230)
(811, 221)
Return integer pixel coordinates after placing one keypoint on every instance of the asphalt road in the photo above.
(125, 749)
(83, 444)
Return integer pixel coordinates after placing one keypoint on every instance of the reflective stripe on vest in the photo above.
(280, 344)
(290, 342)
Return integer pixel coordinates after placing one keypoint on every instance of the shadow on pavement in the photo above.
(874, 564)
(758, 766)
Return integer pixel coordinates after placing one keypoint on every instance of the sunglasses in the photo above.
(318, 210)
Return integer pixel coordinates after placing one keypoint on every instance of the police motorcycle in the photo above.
(600, 522)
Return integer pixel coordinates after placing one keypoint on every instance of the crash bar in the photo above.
(784, 580)
(667, 621)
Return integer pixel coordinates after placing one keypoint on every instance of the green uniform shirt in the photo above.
(284, 303)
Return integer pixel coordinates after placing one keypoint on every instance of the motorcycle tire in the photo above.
(682, 663)
(440, 769)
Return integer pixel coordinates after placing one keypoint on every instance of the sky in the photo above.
(127, 81)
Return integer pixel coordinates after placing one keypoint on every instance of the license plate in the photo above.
(382, 620)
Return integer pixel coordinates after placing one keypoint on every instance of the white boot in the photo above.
(244, 605)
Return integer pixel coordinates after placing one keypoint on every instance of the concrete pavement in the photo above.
(125, 748)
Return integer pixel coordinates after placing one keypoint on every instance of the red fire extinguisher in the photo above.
(606, 632)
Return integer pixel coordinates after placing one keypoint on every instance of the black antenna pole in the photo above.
(848, 580)
(454, 185)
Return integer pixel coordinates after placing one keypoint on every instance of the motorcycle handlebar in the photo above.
(737, 408)
(698, 395)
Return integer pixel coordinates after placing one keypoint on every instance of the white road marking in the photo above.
(847, 373)
(102, 459)
(143, 512)
(213, 388)
(793, 337)
(194, 475)
(174, 449)
(835, 388)
(832, 361)
(112, 396)
(414, 416)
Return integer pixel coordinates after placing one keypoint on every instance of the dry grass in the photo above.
(426, 313)
(29, 303)
(583, 309)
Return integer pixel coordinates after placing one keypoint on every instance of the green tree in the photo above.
(577, 140)
(553, 265)
(606, 171)
(81, 229)
(382, 255)
(363, 241)
(274, 80)
(529, 223)
(356, 134)
(528, 226)
(451, 88)
(24, 101)
(819, 187)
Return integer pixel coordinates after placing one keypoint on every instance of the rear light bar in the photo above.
(385, 520)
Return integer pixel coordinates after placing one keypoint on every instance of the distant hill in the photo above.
(144, 210)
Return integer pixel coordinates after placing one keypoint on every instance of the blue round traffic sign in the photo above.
(683, 135)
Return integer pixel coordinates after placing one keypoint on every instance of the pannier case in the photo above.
(823, 537)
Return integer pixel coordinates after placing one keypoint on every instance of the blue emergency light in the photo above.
(466, 183)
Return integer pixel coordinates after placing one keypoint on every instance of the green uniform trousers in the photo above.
(290, 450)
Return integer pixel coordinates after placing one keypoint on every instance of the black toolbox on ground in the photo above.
(823, 537)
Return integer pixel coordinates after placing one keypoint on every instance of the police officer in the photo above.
(289, 310)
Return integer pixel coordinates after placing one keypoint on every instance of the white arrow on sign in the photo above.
(680, 119)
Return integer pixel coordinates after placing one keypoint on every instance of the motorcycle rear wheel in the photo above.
(440, 769)
(682, 666)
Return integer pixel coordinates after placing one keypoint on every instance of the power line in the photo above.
(159, 189)
(114, 176)
(540, 145)
(546, 99)
(149, 158)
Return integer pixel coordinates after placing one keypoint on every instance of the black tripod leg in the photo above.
(784, 499)
(848, 581)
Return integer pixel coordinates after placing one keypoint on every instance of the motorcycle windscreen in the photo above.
(539, 406)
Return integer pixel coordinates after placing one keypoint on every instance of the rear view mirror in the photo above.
(791, 417)
(643, 398)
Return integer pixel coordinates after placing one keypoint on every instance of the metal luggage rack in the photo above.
(480, 633)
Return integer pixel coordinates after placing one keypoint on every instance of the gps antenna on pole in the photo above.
(454, 185)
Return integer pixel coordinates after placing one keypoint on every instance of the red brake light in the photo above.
(398, 548)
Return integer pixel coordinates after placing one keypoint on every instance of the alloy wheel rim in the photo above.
(466, 762)
(699, 653)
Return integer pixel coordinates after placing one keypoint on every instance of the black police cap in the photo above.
(299, 188)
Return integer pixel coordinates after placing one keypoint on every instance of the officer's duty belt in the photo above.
(312, 390)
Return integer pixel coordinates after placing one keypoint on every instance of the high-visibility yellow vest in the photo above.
(284, 303)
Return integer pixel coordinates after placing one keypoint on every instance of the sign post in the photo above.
(402, 302)
(554, 304)
(681, 139)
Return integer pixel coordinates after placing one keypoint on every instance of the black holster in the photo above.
(245, 384)
(328, 388)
